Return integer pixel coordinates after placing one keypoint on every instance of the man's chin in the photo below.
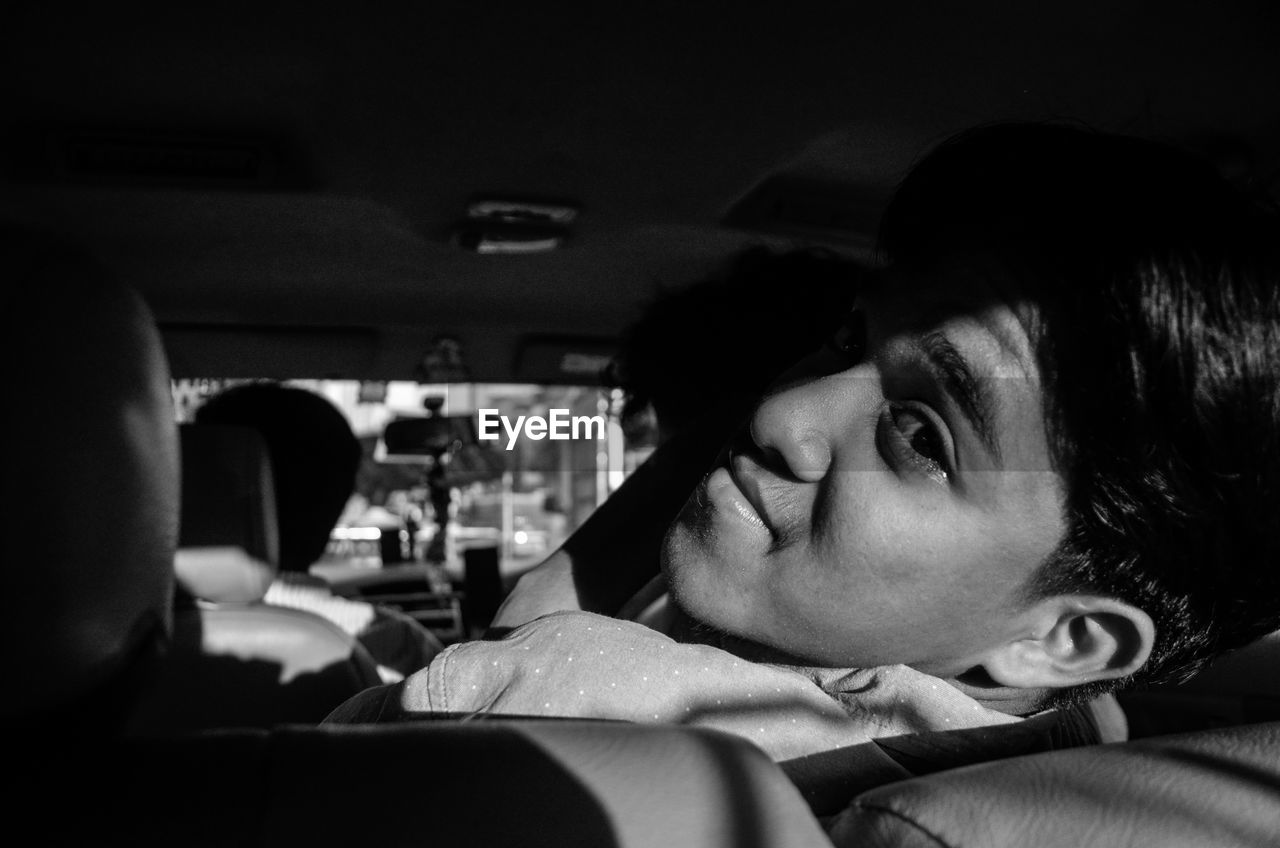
(696, 626)
(688, 542)
(694, 522)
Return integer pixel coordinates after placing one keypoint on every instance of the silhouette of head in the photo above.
(314, 457)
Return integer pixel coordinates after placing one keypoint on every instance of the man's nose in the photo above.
(798, 425)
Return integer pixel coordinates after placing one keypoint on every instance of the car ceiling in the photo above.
(682, 130)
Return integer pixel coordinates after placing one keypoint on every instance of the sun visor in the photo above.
(564, 360)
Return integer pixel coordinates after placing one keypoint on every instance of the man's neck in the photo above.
(1002, 699)
(684, 628)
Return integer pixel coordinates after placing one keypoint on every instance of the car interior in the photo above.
(468, 203)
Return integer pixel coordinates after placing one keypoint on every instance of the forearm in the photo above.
(617, 551)
(546, 588)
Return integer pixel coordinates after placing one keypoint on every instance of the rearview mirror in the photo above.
(426, 437)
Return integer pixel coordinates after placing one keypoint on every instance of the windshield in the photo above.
(497, 482)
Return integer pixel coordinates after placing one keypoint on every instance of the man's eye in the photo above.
(850, 338)
(910, 436)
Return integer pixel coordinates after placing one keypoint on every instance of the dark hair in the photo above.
(1159, 347)
(715, 345)
(314, 457)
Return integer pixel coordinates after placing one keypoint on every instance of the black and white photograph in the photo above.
(643, 424)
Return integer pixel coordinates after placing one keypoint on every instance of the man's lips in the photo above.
(747, 475)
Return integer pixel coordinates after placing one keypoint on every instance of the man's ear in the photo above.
(1074, 639)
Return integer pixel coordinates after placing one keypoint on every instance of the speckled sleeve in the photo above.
(589, 666)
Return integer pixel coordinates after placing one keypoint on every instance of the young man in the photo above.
(1035, 464)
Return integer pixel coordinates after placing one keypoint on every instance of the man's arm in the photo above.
(616, 551)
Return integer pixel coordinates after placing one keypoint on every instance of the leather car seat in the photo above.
(498, 784)
(234, 660)
(1215, 788)
(1242, 687)
(91, 486)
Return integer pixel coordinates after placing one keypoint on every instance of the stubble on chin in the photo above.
(695, 516)
(690, 536)
(687, 542)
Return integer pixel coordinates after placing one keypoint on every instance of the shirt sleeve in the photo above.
(583, 665)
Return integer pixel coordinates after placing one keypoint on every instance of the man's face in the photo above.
(884, 509)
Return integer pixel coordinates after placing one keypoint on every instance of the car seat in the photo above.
(91, 487)
(234, 660)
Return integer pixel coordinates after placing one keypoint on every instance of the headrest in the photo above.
(91, 478)
(229, 544)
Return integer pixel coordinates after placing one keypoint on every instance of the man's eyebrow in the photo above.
(972, 395)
